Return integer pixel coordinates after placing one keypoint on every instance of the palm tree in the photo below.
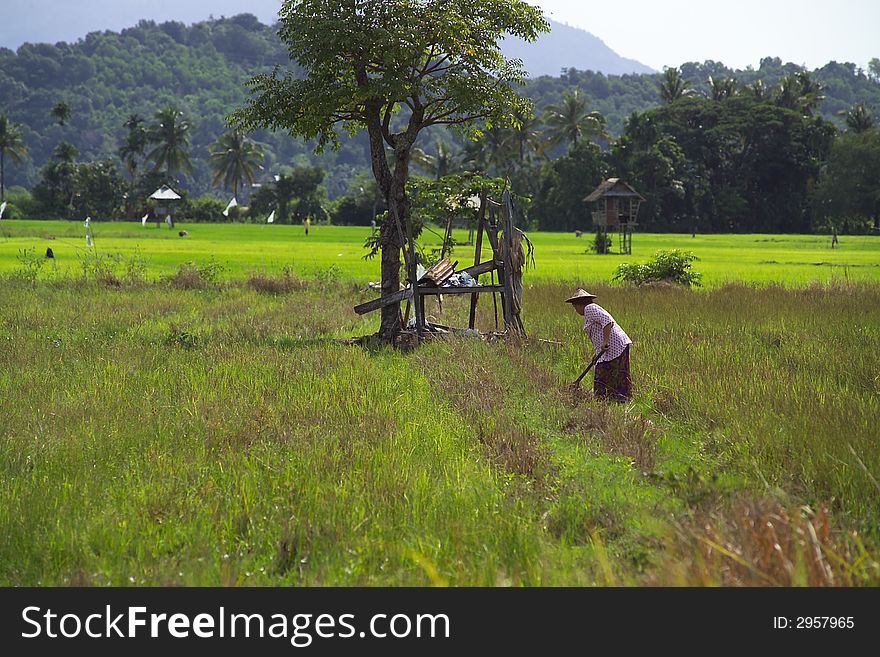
(570, 121)
(60, 112)
(722, 88)
(135, 143)
(811, 92)
(234, 159)
(65, 152)
(10, 143)
(858, 118)
(527, 137)
(673, 86)
(442, 163)
(170, 133)
(758, 90)
(492, 152)
(800, 92)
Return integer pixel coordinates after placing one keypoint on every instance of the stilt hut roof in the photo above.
(613, 187)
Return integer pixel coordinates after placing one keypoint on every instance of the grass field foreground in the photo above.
(157, 435)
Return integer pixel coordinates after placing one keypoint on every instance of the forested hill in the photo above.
(200, 69)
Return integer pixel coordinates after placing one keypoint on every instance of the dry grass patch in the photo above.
(763, 543)
(619, 431)
(284, 284)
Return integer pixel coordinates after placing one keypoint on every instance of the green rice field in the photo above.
(208, 426)
(244, 248)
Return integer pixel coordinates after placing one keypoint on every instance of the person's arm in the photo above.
(606, 335)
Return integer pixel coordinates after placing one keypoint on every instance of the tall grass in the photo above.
(216, 434)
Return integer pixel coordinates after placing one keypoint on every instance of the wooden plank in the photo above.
(381, 302)
(436, 291)
(482, 268)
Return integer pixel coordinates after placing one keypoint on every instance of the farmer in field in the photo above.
(612, 379)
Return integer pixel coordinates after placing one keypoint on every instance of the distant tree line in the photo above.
(776, 148)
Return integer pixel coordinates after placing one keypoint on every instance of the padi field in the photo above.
(237, 250)
(167, 423)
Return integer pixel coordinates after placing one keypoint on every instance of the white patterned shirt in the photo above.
(596, 318)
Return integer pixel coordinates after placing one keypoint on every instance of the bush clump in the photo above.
(193, 276)
(667, 266)
(287, 282)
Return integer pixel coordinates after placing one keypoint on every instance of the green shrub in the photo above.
(112, 269)
(30, 264)
(667, 266)
(193, 276)
(204, 209)
(601, 243)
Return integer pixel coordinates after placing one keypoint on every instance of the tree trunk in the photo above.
(2, 175)
(390, 243)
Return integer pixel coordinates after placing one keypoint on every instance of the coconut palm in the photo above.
(569, 121)
(170, 133)
(65, 152)
(722, 88)
(801, 92)
(758, 90)
(135, 143)
(491, 153)
(811, 92)
(234, 159)
(60, 112)
(528, 137)
(442, 163)
(858, 118)
(10, 144)
(673, 86)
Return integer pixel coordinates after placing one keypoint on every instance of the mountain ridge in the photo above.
(45, 22)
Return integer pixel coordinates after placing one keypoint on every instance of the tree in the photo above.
(170, 133)
(392, 69)
(441, 164)
(65, 152)
(492, 152)
(10, 144)
(60, 112)
(569, 121)
(135, 144)
(559, 203)
(294, 194)
(858, 118)
(848, 187)
(529, 138)
(874, 69)
(235, 159)
(722, 88)
(799, 91)
(673, 85)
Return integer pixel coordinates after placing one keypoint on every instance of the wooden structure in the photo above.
(617, 209)
(166, 199)
(495, 220)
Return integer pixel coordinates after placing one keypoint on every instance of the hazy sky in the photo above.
(669, 32)
(655, 32)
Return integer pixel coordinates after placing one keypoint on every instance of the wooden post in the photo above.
(478, 254)
(418, 301)
(507, 251)
(447, 236)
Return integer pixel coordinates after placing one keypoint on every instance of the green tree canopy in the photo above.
(393, 68)
(61, 112)
(569, 121)
(235, 159)
(11, 144)
(170, 133)
(859, 118)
